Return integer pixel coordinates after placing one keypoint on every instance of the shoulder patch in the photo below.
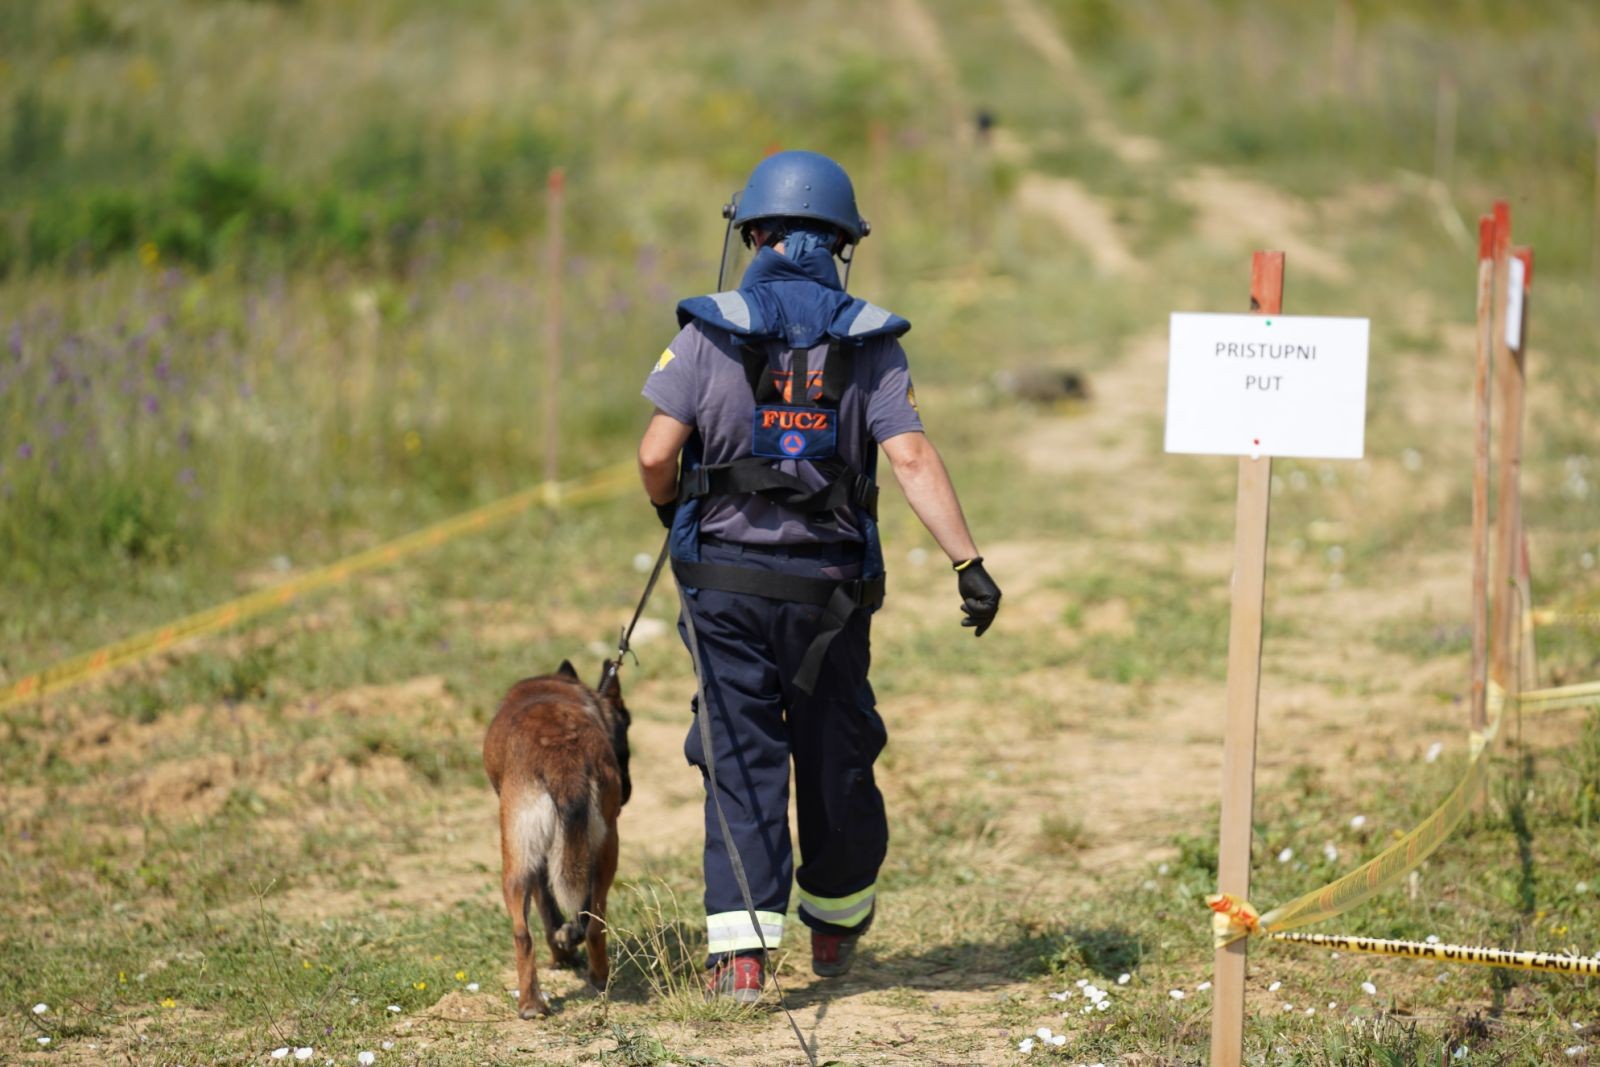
(666, 357)
(911, 398)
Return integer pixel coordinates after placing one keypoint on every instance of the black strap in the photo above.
(757, 372)
(799, 378)
(624, 645)
(845, 487)
(706, 746)
(759, 375)
(833, 376)
(839, 598)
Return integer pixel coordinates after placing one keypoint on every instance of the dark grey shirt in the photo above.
(700, 381)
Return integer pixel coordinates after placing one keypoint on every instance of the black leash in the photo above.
(704, 718)
(624, 646)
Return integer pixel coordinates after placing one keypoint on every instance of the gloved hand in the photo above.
(980, 597)
(665, 512)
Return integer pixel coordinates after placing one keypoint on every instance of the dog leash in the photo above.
(624, 643)
(704, 719)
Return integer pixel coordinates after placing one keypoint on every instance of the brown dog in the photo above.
(557, 754)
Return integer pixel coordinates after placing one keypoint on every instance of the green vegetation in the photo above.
(272, 289)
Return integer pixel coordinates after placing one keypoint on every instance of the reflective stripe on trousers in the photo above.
(848, 911)
(730, 931)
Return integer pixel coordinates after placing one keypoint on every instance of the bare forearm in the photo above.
(926, 484)
(660, 481)
(658, 457)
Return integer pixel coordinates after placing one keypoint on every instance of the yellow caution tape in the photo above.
(1235, 918)
(78, 669)
(1546, 617)
(1566, 696)
(1489, 957)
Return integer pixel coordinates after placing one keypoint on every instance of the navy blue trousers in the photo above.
(749, 650)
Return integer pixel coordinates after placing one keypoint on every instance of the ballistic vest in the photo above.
(800, 428)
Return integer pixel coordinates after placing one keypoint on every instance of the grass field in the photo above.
(272, 291)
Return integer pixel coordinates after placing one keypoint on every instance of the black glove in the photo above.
(980, 597)
(665, 512)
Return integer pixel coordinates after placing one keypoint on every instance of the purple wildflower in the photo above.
(14, 342)
(150, 404)
(25, 450)
(186, 476)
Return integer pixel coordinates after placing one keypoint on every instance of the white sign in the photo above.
(1514, 285)
(1267, 385)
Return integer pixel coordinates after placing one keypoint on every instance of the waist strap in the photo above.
(845, 488)
(839, 599)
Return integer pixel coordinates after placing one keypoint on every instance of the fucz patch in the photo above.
(795, 433)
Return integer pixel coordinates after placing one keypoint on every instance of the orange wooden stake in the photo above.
(1244, 693)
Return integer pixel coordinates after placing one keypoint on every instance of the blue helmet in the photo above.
(803, 185)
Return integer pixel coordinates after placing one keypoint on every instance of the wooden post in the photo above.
(1444, 129)
(554, 257)
(1594, 240)
(1508, 386)
(1244, 691)
(1479, 717)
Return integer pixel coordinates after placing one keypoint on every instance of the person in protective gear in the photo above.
(770, 406)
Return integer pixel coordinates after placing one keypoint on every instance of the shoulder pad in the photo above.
(860, 319)
(728, 310)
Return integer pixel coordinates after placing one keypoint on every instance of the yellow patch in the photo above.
(911, 398)
(666, 357)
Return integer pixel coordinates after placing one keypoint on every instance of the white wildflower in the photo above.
(280, 1053)
(1433, 751)
(1286, 855)
(366, 1059)
(1082, 982)
(1574, 1050)
(1043, 1033)
(302, 1054)
(396, 1008)
(1124, 979)
(1369, 989)
(1102, 1005)
(1025, 1045)
(1432, 939)
(643, 562)
(472, 987)
(43, 1041)
(1175, 994)
(1288, 1007)
(1059, 1040)
(1358, 822)
(1060, 996)
(40, 1009)
(1274, 987)
(1203, 986)
(1329, 852)
(387, 1045)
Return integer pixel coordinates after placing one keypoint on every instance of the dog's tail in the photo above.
(557, 840)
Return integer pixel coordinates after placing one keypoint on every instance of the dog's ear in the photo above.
(567, 670)
(610, 683)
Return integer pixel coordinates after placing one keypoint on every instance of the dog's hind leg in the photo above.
(604, 872)
(557, 930)
(530, 999)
